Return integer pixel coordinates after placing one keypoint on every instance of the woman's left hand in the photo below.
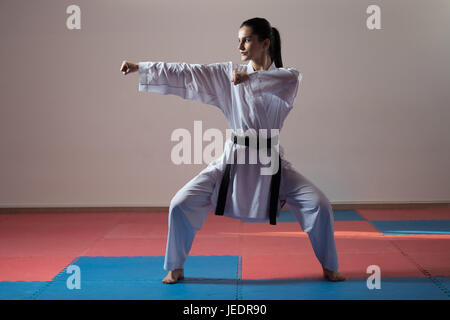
(239, 77)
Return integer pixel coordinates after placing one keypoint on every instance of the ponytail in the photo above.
(275, 48)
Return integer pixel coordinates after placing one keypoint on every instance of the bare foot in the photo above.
(333, 275)
(173, 276)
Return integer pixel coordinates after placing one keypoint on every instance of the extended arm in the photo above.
(206, 83)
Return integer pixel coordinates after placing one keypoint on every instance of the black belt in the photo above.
(274, 184)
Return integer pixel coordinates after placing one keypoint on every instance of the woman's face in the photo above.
(249, 46)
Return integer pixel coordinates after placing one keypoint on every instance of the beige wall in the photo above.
(370, 123)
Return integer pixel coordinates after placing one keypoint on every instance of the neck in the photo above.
(262, 65)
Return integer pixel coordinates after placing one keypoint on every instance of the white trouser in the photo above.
(191, 205)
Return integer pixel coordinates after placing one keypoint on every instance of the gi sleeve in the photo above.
(206, 83)
(283, 83)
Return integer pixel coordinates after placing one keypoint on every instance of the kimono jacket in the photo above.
(261, 102)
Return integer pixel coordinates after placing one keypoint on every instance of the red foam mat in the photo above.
(405, 214)
(32, 268)
(410, 244)
(305, 265)
(266, 244)
(138, 230)
(265, 227)
(205, 245)
(357, 245)
(392, 264)
(44, 246)
(437, 264)
(280, 266)
(356, 228)
(127, 247)
(35, 247)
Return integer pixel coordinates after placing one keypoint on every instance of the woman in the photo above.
(257, 96)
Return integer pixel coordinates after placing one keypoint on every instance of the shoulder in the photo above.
(294, 72)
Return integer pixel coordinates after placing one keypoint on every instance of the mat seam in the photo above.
(238, 279)
(438, 283)
(34, 296)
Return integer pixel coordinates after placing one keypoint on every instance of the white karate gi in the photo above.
(261, 102)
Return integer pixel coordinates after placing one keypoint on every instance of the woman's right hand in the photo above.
(128, 67)
(239, 77)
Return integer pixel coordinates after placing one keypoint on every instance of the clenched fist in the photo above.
(239, 77)
(128, 67)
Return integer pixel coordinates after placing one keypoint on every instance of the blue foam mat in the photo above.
(210, 278)
(347, 215)
(139, 278)
(150, 268)
(207, 288)
(443, 283)
(191, 289)
(405, 227)
(411, 288)
(20, 290)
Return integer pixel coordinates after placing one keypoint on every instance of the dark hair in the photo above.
(264, 30)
